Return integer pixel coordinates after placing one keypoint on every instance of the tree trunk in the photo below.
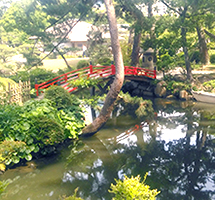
(136, 49)
(119, 76)
(203, 47)
(186, 56)
(67, 64)
(184, 43)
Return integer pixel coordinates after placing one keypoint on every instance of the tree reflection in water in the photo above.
(181, 168)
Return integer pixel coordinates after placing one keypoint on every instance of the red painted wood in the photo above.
(93, 72)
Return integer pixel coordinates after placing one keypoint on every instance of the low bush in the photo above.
(104, 61)
(212, 59)
(132, 188)
(83, 63)
(37, 125)
(59, 96)
(174, 86)
(209, 86)
(84, 82)
(13, 151)
(195, 57)
(40, 75)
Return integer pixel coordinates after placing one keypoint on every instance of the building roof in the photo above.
(79, 32)
(81, 29)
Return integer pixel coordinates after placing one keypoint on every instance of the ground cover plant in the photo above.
(37, 127)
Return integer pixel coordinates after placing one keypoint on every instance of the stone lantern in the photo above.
(148, 59)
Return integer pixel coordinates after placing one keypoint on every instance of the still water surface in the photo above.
(176, 148)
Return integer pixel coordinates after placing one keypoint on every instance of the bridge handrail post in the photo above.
(37, 89)
(113, 69)
(154, 73)
(135, 71)
(66, 78)
(91, 68)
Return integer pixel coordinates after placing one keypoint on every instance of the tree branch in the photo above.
(170, 7)
(59, 41)
(209, 34)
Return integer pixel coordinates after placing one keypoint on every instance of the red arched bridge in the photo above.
(102, 72)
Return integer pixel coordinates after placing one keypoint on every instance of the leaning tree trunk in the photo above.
(119, 76)
(203, 47)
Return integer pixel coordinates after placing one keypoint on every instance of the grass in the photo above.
(210, 67)
(56, 64)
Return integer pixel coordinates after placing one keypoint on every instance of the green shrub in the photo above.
(21, 75)
(83, 63)
(195, 56)
(174, 86)
(84, 82)
(40, 75)
(132, 188)
(212, 58)
(165, 62)
(209, 86)
(40, 125)
(60, 96)
(12, 151)
(104, 61)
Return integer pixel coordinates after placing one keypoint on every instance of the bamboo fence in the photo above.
(16, 93)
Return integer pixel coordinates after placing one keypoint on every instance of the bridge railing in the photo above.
(92, 72)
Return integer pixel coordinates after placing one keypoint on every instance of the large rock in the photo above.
(180, 77)
(160, 90)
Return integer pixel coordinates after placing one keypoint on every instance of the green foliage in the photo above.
(83, 63)
(13, 151)
(126, 53)
(72, 121)
(195, 57)
(60, 96)
(136, 105)
(99, 51)
(41, 75)
(104, 61)
(6, 53)
(164, 62)
(212, 58)
(84, 82)
(21, 75)
(4, 83)
(39, 125)
(38, 74)
(174, 87)
(132, 188)
(209, 86)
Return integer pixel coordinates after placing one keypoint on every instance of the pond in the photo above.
(176, 148)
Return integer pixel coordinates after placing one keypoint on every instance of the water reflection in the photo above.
(176, 147)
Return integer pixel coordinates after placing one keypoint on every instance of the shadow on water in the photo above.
(176, 147)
